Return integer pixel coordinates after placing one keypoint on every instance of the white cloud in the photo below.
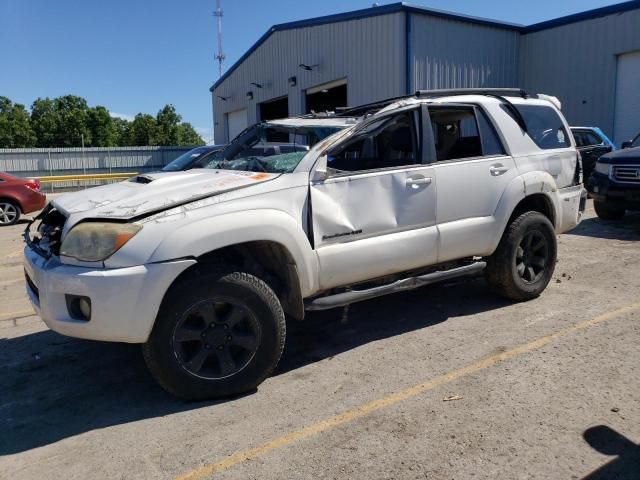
(123, 116)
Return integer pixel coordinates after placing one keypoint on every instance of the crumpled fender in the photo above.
(212, 233)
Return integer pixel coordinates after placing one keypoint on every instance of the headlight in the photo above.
(602, 168)
(96, 241)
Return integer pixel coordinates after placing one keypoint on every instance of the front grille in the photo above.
(627, 174)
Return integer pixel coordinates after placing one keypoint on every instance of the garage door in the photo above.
(236, 122)
(627, 116)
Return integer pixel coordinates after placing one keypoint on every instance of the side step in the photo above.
(353, 296)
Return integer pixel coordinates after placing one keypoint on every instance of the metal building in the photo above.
(590, 60)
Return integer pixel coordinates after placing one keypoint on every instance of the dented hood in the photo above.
(155, 192)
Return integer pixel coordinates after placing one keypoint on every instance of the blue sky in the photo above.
(138, 55)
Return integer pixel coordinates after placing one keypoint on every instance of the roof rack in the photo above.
(450, 92)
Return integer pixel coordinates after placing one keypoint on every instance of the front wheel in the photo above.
(217, 334)
(607, 212)
(523, 264)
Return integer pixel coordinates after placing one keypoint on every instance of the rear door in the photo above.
(472, 171)
(374, 213)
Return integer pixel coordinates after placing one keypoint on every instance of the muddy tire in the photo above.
(607, 212)
(523, 264)
(217, 334)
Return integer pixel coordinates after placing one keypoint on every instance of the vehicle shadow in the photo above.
(626, 229)
(53, 387)
(609, 442)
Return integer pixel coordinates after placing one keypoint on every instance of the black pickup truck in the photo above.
(614, 184)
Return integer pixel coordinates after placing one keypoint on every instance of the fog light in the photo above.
(79, 307)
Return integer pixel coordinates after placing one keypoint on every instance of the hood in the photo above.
(150, 193)
(626, 155)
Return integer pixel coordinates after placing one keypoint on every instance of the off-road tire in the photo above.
(607, 212)
(256, 297)
(502, 271)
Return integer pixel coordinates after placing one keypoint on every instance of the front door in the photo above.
(374, 213)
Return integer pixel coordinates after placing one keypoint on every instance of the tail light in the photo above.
(33, 184)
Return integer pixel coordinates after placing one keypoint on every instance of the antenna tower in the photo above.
(220, 56)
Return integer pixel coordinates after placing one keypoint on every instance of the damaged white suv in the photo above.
(203, 266)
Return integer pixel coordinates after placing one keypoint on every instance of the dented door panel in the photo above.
(371, 224)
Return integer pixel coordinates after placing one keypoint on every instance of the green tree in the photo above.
(167, 121)
(101, 127)
(142, 130)
(73, 126)
(187, 135)
(121, 129)
(15, 125)
(44, 120)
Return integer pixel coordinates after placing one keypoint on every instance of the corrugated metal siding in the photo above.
(577, 63)
(455, 54)
(62, 161)
(369, 52)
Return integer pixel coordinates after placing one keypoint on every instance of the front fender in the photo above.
(212, 233)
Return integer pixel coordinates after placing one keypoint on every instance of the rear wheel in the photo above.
(9, 212)
(523, 264)
(216, 335)
(607, 212)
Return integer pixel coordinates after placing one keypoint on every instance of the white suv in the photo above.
(203, 266)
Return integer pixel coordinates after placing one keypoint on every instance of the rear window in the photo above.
(544, 126)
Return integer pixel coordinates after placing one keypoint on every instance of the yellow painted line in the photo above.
(362, 410)
(89, 177)
(16, 315)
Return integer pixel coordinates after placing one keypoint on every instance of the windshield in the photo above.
(191, 159)
(270, 148)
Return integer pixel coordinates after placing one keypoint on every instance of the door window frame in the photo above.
(477, 110)
(418, 115)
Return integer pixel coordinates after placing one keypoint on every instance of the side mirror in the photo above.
(627, 144)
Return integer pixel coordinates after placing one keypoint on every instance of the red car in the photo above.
(18, 196)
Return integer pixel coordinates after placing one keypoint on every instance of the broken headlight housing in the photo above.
(97, 241)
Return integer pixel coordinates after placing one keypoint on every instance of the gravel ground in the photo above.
(442, 382)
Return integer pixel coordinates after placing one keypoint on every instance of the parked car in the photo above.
(196, 158)
(390, 196)
(635, 142)
(592, 143)
(18, 196)
(615, 182)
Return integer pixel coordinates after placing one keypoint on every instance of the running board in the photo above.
(353, 296)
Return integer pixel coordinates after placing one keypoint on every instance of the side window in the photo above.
(491, 144)
(388, 142)
(579, 138)
(455, 133)
(544, 126)
(591, 138)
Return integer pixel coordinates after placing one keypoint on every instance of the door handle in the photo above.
(498, 169)
(415, 182)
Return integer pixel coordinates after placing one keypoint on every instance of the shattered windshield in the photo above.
(270, 148)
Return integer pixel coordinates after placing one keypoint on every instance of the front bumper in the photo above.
(124, 301)
(624, 195)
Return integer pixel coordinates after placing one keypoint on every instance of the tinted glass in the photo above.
(636, 142)
(388, 142)
(544, 126)
(491, 144)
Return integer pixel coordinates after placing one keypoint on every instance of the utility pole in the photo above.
(220, 56)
